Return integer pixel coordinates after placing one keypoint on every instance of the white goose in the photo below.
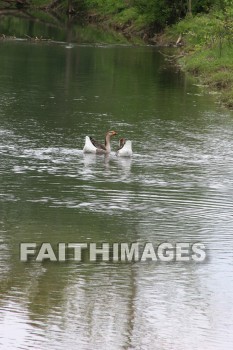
(125, 148)
(93, 146)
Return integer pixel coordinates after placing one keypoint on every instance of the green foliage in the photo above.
(199, 30)
(128, 16)
(107, 6)
(161, 12)
(140, 13)
(209, 49)
(214, 71)
(154, 13)
(213, 30)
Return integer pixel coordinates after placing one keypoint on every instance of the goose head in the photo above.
(111, 133)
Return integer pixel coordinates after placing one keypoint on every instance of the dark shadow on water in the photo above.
(38, 25)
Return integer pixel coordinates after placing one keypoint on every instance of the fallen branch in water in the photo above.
(5, 37)
(171, 58)
(36, 38)
(29, 38)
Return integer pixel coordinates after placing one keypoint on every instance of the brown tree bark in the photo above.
(190, 7)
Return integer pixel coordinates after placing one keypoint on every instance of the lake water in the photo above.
(177, 187)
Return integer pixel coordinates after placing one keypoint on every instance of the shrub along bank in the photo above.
(207, 50)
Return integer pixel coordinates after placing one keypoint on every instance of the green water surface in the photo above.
(177, 187)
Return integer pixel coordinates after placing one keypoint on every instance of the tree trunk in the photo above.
(190, 7)
(70, 9)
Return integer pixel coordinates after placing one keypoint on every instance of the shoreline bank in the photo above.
(203, 45)
(202, 42)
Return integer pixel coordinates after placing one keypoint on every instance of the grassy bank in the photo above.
(207, 50)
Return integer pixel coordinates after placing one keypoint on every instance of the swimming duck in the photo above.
(125, 148)
(93, 146)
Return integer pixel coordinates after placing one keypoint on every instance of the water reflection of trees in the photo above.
(118, 304)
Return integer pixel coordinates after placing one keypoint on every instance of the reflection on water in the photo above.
(51, 26)
(177, 187)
